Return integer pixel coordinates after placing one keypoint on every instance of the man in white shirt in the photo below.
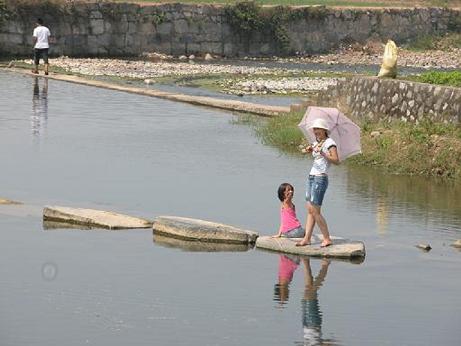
(41, 38)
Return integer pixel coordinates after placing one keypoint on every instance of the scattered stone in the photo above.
(93, 218)
(182, 57)
(208, 56)
(200, 230)
(147, 81)
(375, 134)
(191, 57)
(425, 247)
(153, 56)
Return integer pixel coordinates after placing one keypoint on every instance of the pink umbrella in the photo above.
(343, 131)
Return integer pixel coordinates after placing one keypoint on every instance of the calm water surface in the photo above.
(79, 146)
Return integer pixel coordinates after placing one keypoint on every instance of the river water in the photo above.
(71, 145)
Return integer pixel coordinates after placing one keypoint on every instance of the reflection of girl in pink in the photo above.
(290, 227)
(287, 267)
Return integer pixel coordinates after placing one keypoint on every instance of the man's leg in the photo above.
(45, 60)
(36, 61)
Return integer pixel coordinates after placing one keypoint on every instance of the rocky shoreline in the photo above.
(232, 78)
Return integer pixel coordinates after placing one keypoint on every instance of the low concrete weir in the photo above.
(199, 246)
(341, 248)
(93, 218)
(204, 231)
(230, 105)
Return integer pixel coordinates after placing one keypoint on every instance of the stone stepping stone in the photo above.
(93, 218)
(4, 201)
(204, 231)
(199, 246)
(341, 248)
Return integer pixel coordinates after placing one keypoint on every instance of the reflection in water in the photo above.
(199, 246)
(429, 200)
(39, 115)
(382, 214)
(311, 314)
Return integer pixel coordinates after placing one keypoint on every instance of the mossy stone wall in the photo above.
(120, 29)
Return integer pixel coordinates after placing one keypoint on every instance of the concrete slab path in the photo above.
(93, 218)
(204, 231)
(341, 248)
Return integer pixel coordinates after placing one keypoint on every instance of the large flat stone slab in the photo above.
(199, 246)
(4, 201)
(204, 231)
(93, 218)
(341, 248)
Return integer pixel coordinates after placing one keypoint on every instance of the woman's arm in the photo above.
(279, 233)
(332, 155)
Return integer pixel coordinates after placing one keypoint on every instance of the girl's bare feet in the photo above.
(326, 243)
(303, 243)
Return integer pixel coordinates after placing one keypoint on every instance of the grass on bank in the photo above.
(440, 78)
(426, 148)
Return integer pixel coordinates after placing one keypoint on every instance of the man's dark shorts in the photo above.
(40, 53)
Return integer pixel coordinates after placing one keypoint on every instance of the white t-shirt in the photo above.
(42, 33)
(321, 164)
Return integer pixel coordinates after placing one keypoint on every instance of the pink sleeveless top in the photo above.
(286, 269)
(288, 219)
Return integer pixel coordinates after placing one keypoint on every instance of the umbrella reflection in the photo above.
(39, 115)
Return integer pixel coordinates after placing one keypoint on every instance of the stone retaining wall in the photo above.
(376, 98)
(118, 29)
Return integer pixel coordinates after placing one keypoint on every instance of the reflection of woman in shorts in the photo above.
(312, 316)
(324, 153)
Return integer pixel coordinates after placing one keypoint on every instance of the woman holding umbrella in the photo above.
(324, 152)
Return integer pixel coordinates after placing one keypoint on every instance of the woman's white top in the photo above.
(321, 164)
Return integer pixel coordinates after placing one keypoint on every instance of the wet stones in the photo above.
(4, 201)
(93, 218)
(341, 248)
(200, 230)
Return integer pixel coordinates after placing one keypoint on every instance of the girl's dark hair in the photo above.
(281, 190)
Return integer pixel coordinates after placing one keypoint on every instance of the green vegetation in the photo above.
(437, 77)
(426, 148)
(433, 42)
(248, 18)
(282, 132)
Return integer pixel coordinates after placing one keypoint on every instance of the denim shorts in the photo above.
(294, 233)
(316, 186)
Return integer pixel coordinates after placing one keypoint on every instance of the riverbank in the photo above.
(424, 149)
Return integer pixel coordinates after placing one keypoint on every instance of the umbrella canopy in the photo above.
(342, 130)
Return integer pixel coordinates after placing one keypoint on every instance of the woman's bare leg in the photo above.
(310, 223)
(321, 222)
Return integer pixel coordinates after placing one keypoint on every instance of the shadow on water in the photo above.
(428, 199)
(312, 316)
(39, 117)
(198, 246)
